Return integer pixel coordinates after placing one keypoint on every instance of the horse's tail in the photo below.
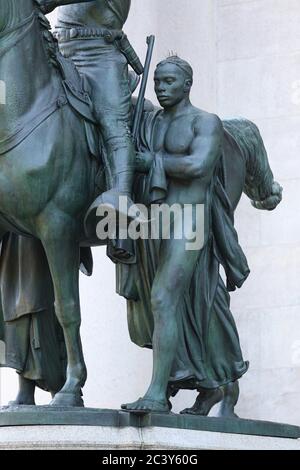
(260, 187)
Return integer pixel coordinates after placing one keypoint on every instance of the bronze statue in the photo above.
(66, 148)
(178, 304)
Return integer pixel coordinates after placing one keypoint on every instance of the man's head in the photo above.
(173, 81)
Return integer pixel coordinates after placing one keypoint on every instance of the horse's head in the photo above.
(13, 12)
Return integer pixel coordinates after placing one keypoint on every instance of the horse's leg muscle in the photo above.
(62, 252)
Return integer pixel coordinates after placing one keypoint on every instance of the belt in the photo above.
(111, 36)
(67, 34)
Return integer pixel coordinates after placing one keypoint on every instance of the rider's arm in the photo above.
(49, 5)
(204, 152)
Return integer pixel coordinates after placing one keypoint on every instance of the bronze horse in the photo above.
(47, 175)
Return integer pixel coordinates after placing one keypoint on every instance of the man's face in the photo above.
(170, 85)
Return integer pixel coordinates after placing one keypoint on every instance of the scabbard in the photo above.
(128, 51)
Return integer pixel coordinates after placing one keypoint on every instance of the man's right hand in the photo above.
(46, 6)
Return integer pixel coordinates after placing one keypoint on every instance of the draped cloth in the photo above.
(208, 352)
(34, 343)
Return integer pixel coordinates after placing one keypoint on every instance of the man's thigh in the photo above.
(175, 269)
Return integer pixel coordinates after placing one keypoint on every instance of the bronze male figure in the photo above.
(90, 33)
(178, 304)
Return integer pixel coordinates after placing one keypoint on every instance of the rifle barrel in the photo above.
(141, 99)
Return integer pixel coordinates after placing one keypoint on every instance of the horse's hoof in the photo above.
(67, 399)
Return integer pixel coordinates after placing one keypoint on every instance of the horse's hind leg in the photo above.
(63, 257)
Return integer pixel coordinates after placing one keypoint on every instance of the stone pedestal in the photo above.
(75, 428)
(130, 438)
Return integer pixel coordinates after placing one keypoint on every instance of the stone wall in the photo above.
(258, 72)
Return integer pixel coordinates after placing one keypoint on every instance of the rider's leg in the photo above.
(111, 96)
(120, 155)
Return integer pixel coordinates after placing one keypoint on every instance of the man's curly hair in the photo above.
(182, 64)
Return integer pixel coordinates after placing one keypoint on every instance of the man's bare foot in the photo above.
(146, 405)
(204, 402)
(227, 396)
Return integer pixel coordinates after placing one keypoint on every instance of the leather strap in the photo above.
(6, 145)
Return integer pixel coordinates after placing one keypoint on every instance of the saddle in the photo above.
(75, 93)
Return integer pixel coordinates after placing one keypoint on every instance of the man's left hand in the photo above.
(144, 161)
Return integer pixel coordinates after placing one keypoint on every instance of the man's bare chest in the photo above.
(174, 137)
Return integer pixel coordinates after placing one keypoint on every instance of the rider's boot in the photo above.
(119, 175)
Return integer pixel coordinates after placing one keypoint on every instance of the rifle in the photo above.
(141, 99)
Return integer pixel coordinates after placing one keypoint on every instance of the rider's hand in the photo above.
(46, 6)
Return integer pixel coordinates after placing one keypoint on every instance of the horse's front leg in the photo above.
(63, 257)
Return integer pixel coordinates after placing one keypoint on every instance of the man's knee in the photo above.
(166, 294)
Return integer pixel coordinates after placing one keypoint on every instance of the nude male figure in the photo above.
(189, 141)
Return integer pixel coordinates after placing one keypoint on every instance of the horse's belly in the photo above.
(46, 168)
